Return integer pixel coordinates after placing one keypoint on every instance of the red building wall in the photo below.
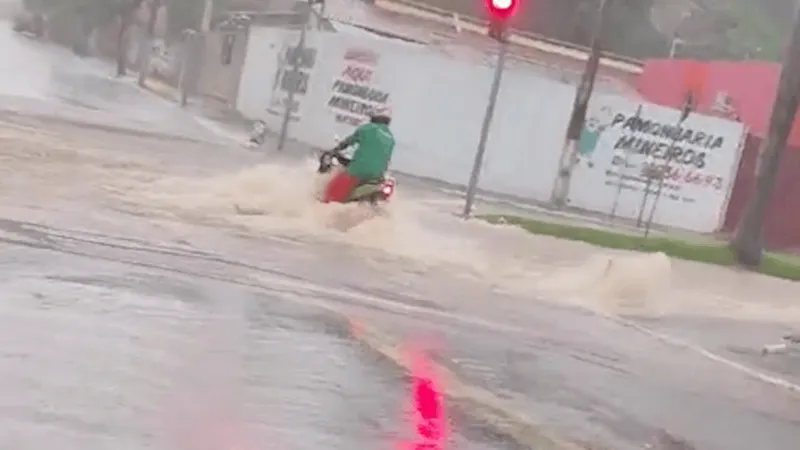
(782, 225)
(751, 85)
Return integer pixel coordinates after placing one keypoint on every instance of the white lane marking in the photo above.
(472, 320)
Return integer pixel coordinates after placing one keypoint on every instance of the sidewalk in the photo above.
(225, 121)
(213, 113)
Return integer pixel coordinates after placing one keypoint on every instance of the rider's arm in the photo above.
(349, 140)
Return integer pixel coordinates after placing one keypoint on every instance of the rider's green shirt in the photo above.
(374, 144)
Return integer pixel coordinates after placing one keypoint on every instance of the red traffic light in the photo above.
(501, 9)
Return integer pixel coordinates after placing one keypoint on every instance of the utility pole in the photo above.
(472, 186)
(208, 12)
(576, 122)
(748, 245)
(194, 47)
(187, 66)
(296, 55)
(126, 14)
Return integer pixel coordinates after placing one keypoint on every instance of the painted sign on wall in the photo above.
(286, 79)
(354, 92)
(622, 140)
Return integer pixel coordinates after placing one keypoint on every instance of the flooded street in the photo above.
(102, 347)
(140, 310)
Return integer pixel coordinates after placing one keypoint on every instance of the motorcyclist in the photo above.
(374, 146)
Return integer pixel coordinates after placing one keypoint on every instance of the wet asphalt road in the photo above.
(112, 342)
(600, 382)
(126, 333)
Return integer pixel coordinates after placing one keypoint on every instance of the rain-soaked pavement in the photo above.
(131, 331)
(111, 342)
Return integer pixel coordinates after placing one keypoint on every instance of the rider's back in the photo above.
(375, 144)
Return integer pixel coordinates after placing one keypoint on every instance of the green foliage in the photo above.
(757, 35)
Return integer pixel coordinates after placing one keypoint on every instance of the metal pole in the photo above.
(621, 177)
(321, 15)
(296, 53)
(644, 198)
(193, 55)
(145, 49)
(620, 181)
(472, 187)
(663, 176)
(673, 48)
(183, 80)
(208, 13)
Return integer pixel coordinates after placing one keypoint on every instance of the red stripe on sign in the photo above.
(361, 55)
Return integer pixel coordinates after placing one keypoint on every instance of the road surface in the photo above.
(140, 311)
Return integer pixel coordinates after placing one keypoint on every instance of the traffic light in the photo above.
(500, 11)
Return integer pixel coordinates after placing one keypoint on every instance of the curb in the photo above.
(477, 402)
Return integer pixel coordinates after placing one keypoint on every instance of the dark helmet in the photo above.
(381, 114)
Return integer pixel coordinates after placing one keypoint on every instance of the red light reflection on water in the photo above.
(428, 417)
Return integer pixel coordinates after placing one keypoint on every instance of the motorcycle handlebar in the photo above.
(343, 160)
(325, 160)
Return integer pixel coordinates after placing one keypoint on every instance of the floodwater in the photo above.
(143, 310)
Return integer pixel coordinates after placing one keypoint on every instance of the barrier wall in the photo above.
(439, 99)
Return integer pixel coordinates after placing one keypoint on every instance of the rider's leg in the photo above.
(339, 187)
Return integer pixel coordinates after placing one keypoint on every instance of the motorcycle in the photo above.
(373, 192)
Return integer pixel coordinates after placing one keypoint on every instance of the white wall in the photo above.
(439, 101)
(261, 61)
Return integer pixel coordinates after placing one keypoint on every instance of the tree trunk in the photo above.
(560, 194)
(122, 45)
(146, 49)
(126, 13)
(154, 7)
(748, 245)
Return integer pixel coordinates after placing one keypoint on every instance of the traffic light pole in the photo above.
(472, 187)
